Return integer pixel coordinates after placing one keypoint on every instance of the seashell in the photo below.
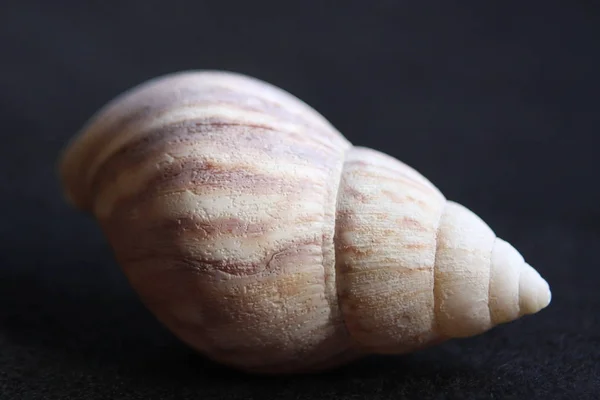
(262, 238)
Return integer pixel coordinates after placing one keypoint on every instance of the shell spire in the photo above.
(260, 236)
(441, 271)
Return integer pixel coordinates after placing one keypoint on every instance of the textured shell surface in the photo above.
(261, 237)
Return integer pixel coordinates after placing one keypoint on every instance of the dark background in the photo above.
(495, 102)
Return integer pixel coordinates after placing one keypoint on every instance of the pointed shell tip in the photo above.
(535, 293)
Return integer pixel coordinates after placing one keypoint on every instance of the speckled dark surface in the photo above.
(497, 105)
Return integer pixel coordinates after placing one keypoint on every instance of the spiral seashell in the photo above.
(261, 237)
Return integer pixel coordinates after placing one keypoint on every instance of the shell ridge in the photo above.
(336, 248)
(435, 323)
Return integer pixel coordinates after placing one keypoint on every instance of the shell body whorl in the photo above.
(261, 237)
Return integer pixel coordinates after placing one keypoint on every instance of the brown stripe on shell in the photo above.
(200, 176)
(270, 264)
(228, 139)
(395, 197)
(189, 230)
(416, 246)
(145, 219)
(413, 224)
(195, 124)
(204, 229)
(357, 250)
(184, 240)
(356, 194)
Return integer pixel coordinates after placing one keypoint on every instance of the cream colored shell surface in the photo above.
(261, 237)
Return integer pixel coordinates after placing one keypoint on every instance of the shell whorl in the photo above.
(434, 269)
(260, 236)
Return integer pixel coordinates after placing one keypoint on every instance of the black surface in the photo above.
(496, 104)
